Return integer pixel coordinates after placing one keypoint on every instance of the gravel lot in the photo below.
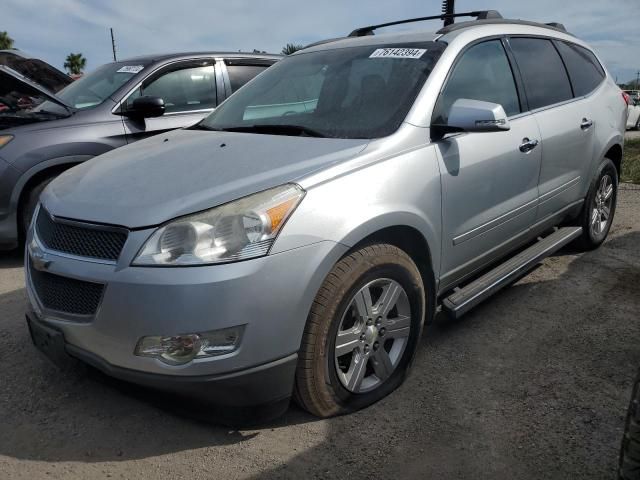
(533, 384)
(632, 134)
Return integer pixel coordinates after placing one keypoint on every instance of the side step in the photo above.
(464, 299)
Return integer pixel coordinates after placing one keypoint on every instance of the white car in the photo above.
(633, 116)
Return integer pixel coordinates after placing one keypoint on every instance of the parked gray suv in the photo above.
(44, 131)
(295, 241)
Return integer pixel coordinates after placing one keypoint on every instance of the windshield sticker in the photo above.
(130, 69)
(398, 53)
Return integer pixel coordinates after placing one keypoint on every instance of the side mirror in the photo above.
(468, 115)
(146, 107)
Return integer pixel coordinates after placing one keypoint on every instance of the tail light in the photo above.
(627, 98)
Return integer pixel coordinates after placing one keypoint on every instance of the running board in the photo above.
(464, 299)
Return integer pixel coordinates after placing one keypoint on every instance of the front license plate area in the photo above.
(50, 342)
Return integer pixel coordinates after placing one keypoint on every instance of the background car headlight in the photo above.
(4, 139)
(181, 349)
(242, 229)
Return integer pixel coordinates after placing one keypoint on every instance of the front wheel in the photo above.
(362, 332)
(599, 207)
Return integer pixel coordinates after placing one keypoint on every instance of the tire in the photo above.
(592, 237)
(31, 202)
(629, 464)
(323, 385)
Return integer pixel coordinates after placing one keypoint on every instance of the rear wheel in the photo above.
(362, 332)
(599, 208)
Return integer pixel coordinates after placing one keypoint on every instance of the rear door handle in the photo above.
(586, 124)
(528, 145)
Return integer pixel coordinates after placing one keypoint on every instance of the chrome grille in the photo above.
(73, 238)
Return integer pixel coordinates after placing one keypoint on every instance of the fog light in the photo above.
(181, 349)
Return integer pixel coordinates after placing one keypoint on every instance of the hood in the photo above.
(12, 82)
(37, 71)
(186, 171)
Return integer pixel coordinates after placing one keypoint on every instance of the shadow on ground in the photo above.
(532, 384)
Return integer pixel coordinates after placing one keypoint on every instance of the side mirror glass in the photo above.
(146, 107)
(476, 116)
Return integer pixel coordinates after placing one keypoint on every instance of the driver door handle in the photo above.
(528, 145)
(586, 124)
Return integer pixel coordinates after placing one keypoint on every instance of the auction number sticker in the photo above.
(398, 53)
(130, 69)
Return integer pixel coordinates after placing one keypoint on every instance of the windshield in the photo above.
(97, 86)
(354, 92)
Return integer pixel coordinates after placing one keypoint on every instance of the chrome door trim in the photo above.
(558, 190)
(496, 222)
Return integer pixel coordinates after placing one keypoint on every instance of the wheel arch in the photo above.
(410, 240)
(613, 151)
(38, 173)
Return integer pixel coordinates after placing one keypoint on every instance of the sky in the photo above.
(51, 29)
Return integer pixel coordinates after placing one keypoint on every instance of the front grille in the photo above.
(85, 241)
(66, 295)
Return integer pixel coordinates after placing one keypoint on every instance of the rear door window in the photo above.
(585, 70)
(240, 74)
(543, 73)
(482, 73)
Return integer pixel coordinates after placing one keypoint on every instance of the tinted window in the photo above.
(482, 73)
(545, 78)
(241, 74)
(191, 88)
(585, 71)
(351, 92)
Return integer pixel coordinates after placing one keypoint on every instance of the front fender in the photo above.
(400, 191)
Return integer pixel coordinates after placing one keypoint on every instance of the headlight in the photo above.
(245, 228)
(181, 349)
(4, 139)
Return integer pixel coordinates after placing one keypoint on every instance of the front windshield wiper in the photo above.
(270, 129)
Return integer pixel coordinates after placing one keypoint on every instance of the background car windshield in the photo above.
(355, 92)
(97, 86)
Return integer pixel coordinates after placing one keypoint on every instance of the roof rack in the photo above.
(479, 15)
(558, 27)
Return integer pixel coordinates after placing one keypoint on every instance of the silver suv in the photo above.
(295, 242)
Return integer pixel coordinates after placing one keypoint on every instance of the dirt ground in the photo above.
(533, 384)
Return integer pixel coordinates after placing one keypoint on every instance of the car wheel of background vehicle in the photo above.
(599, 208)
(629, 465)
(31, 202)
(362, 331)
(638, 124)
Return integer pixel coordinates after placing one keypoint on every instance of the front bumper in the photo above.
(271, 296)
(265, 384)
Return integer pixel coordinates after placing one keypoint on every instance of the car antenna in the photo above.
(448, 9)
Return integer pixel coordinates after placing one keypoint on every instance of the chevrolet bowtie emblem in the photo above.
(39, 262)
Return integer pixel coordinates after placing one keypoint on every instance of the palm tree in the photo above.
(6, 42)
(290, 48)
(75, 63)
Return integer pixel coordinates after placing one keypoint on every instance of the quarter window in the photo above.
(543, 73)
(482, 73)
(585, 71)
(182, 90)
(241, 74)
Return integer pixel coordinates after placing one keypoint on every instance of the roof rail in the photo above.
(479, 15)
(558, 27)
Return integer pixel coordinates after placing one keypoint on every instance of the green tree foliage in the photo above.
(75, 63)
(6, 42)
(290, 48)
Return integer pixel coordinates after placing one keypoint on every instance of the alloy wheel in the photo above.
(372, 335)
(602, 202)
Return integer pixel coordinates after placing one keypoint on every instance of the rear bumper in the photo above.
(269, 383)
